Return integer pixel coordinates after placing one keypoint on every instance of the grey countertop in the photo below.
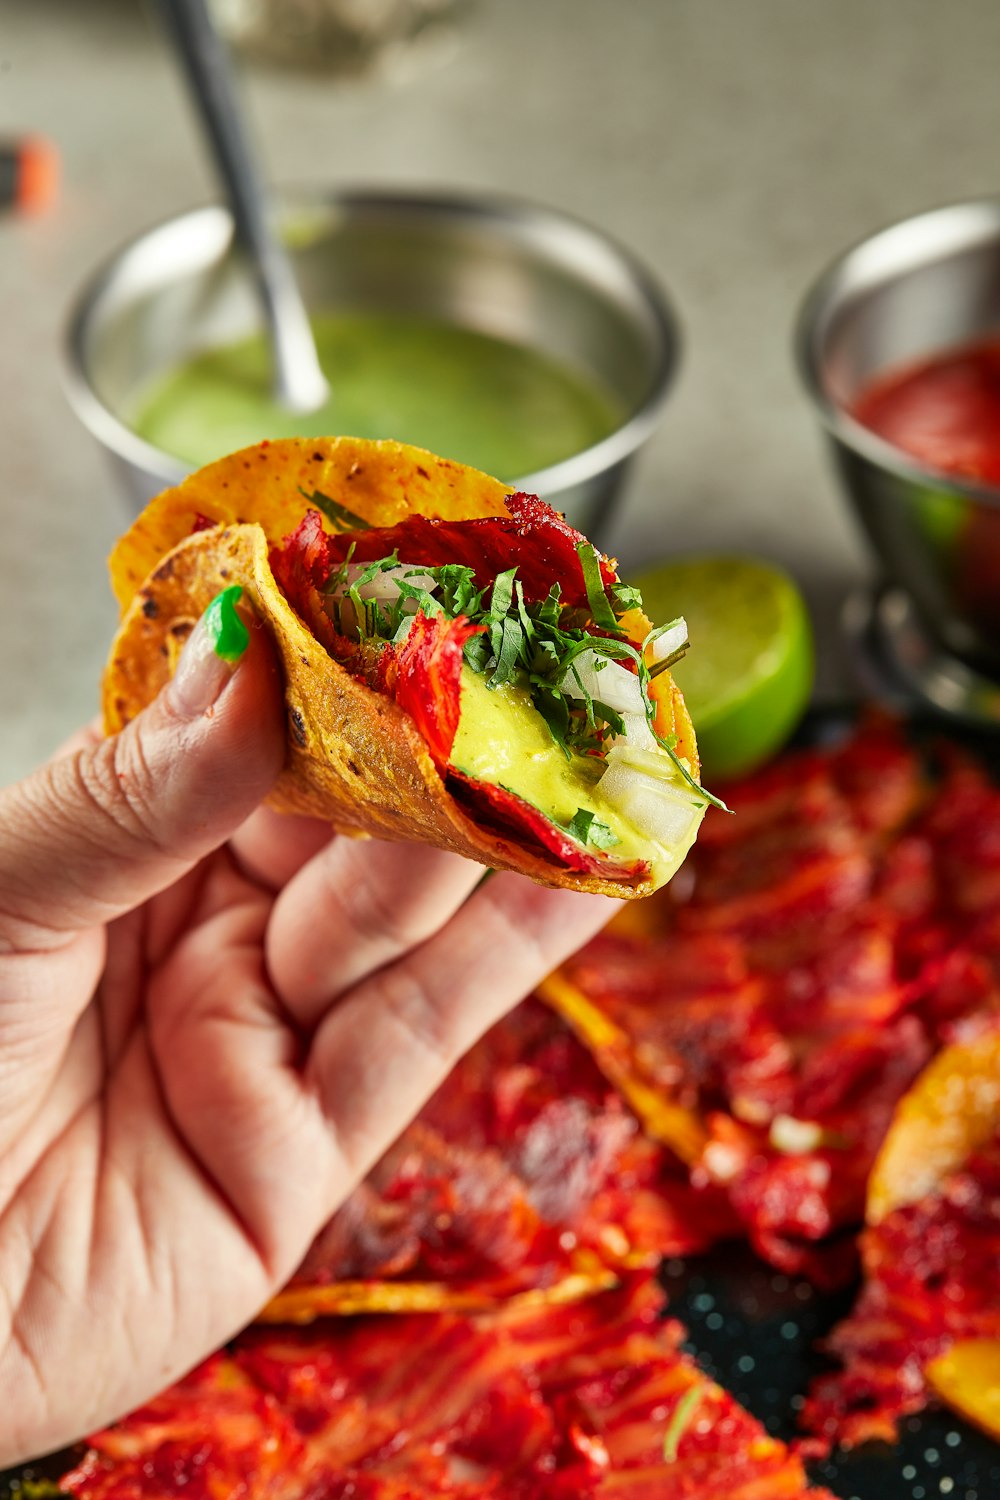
(736, 145)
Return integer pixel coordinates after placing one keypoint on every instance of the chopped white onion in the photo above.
(671, 640)
(638, 734)
(795, 1137)
(659, 809)
(651, 762)
(384, 587)
(606, 680)
(722, 1161)
(751, 1111)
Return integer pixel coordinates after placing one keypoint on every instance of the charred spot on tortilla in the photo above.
(481, 660)
(298, 726)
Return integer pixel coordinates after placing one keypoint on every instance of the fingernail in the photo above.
(210, 656)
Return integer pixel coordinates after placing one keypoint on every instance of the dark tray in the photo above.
(755, 1332)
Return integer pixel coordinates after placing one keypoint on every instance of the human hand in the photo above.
(213, 1021)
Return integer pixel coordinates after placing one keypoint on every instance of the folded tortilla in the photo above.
(356, 757)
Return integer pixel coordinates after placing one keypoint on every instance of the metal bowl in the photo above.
(499, 266)
(921, 286)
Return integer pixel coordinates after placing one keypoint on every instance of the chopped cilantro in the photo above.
(586, 827)
(600, 605)
(623, 597)
(680, 1421)
(673, 657)
(533, 645)
(341, 517)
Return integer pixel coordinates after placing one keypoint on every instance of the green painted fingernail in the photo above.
(226, 631)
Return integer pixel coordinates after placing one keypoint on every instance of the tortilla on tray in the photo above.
(765, 1015)
(594, 1401)
(462, 668)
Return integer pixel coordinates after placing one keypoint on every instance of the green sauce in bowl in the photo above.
(501, 407)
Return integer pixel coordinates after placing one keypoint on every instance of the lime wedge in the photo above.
(749, 672)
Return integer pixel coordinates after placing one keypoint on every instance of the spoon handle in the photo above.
(299, 382)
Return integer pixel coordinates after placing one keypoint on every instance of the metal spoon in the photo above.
(299, 383)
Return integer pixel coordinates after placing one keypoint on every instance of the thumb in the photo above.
(98, 832)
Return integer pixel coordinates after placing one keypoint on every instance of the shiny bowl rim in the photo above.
(825, 293)
(519, 215)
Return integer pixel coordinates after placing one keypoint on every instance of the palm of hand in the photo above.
(169, 1160)
(190, 1091)
(213, 1021)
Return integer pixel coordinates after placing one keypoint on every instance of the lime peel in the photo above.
(749, 672)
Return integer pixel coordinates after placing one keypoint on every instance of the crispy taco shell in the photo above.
(304, 1304)
(947, 1114)
(355, 758)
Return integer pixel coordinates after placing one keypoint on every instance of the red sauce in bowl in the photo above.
(944, 411)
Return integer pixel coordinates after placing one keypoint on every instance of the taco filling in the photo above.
(527, 666)
(461, 668)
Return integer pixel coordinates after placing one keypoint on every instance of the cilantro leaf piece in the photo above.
(457, 590)
(338, 577)
(580, 823)
(680, 1421)
(341, 517)
(587, 827)
(674, 656)
(502, 594)
(602, 613)
(611, 716)
(623, 597)
(508, 652)
(478, 653)
(554, 709)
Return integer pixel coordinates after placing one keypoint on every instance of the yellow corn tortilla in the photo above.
(951, 1109)
(355, 758)
(618, 1058)
(304, 1304)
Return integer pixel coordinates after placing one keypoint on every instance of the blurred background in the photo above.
(734, 147)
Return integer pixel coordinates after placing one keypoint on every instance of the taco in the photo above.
(462, 668)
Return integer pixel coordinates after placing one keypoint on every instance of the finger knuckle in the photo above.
(430, 1022)
(373, 914)
(118, 785)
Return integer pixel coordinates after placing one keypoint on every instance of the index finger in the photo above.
(383, 1049)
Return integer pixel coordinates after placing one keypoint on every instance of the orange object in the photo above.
(29, 174)
(953, 1107)
(967, 1379)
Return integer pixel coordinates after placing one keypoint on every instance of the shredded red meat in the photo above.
(426, 678)
(816, 950)
(533, 538)
(554, 1403)
(524, 1166)
(496, 807)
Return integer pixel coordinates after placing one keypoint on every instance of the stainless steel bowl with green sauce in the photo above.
(504, 335)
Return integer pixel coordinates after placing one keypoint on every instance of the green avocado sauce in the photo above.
(499, 406)
(503, 739)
